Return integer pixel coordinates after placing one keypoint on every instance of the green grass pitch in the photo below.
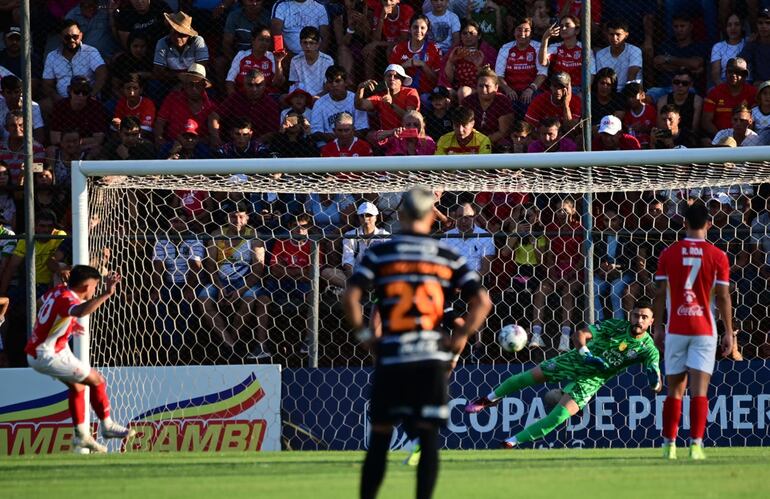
(612, 473)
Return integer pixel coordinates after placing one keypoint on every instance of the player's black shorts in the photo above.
(415, 391)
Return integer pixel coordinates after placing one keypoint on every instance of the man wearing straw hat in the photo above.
(189, 102)
(179, 49)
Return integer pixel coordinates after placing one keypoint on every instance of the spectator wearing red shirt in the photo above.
(493, 110)
(390, 25)
(721, 100)
(259, 57)
(79, 110)
(392, 103)
(251, 102)
(419, 57)
(462, 63)
(560, 103)
(134, 103)
(518, 66)
(566, 56)
(640, 115)
(612, 138)
(189, 102)
(346, 144)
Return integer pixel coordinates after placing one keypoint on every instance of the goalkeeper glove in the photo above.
(653, 378)
(592, 360)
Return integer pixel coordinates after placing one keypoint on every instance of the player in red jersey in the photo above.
(48, 351)
(693, 275)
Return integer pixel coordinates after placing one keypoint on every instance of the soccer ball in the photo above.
(512, 338)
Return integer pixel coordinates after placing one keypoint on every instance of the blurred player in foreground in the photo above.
(603, 351)
(691, 273)
(49, 353)
(412, 275)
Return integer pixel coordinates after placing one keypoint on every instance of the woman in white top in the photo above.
(730, 47)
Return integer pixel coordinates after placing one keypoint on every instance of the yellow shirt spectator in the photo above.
(478, 144)
(43, 251)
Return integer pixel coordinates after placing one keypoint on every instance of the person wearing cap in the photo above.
(187, 144)
(345, 144)
(96, 26)
(357, 241)
(72, 58)
(337, 99)
(680, 51)
(612, 138)
(559, 103)
(80, 111)
(760, 113)
(391, 25)
(10, 56)
(299, 101)
(177, 51)
(291, 16)
(415, 273)
(308, 68)
(391, 103)
(258, 56)
(189, 102)
(757, 51)
(721, 100)
(464, 139)
(741, 130)
(141, 16)
(10, 87)
(438, 118)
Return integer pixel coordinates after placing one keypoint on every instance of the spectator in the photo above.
(760, 236)
(12, 150)
(346, 144)
(293, 139)
(351, 29)
(337, 100)
(641, 17)
(130, 145)
(134, 103)
(668, 134)
(331, 212)
(94, 19)
(241, 25)
(390, 25)
(80, 111)
(189, 102)
(462, 64)
(741, 130)
(403, 142)
(563, 260)
(521, 136)
(493, 110)
(464, 139)
(611, 136)
(566, 56)
(472, 242)
(640, 115)
(525, 247)
(624, 58)
(518, 66)
(53, 196)
(757, 52)
(612, 276)
(418, 56)
(7, 208)
(180, 49)
(729, 48)
(392, 102)
(681, 51)
(438, 119)
(10, 57)
(60, 157)
(137, 59)
(761, 112)
(289, 17)
(444, 25)
(550, 138)
(490, 19)
(251, 102)
(541, 15)
(257, 57)
(689, 103)
(357, 241)
(559, 103)
(242, 142)
(187, 144)
(142, 16)
(12, 101)
(299, 101)
(308, 69)
(72, 59)
(605, 100)
(722, 99)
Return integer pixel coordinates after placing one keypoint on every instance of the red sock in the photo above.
(77, 404)
(672, 412)
(99, 400)
(699, 410)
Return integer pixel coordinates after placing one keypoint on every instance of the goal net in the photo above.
(241, 262)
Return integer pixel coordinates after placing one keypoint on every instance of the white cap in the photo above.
(723, 198)
(610, 124)
(367, 208)
(400, 72)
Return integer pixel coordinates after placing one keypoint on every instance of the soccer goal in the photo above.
(221, 267)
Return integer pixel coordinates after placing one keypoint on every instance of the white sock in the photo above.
(492, 397)
(107, 422)
(537, 329)
(566, 330)
(512, 440)
(667, 441)
(697, 441)
(82, 430)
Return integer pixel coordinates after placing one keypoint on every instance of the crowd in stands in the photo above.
(194, 79)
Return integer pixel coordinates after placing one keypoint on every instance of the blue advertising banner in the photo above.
(327, 409)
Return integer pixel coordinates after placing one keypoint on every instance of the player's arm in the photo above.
(88, 307)
(351, 303)
(659, 310)
(725, 308)
(581, 339)
(479, 306)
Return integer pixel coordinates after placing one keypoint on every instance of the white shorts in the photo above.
(63, 366)
(683, 352)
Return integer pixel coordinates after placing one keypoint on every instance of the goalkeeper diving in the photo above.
(602, 351)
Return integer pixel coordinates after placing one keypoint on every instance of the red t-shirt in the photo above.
(91, 119)
(542, 107)
(392, 29)
(561, 58)
(264, 114)
(266, 64)
(357, 148)
(55, 323)
(627, 143)
(429, 53)
(290, 254)
(406, 98)
(643, 123)
(487, 120)
(520, 67)
(692, 268)
(176, 112)
(500, 205)
(721, 102)
(144, 112)
(566, 248)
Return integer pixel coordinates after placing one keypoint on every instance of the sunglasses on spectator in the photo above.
(680, 82)
(71, 37)
(302, 227)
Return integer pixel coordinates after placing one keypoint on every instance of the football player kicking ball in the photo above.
(603, 351)
(48, 352)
